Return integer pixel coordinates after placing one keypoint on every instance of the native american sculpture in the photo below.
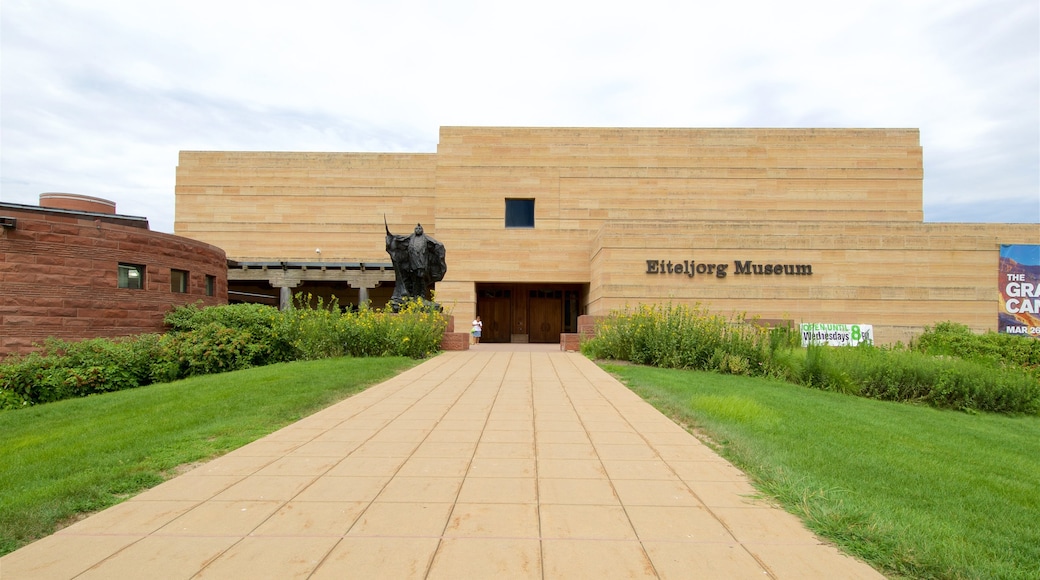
(418, 264)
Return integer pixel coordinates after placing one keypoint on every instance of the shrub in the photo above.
(971, 386)
(315, 329)
(948, 367)
(212, 348)
(313, 332)
(891, 375)
(265, 324)
(10, 400)
(28, 380)
(957, 340)
(899, 374)
(213, 340)
(417, 331)
(684, 337)
(248, 317)
(75, 369)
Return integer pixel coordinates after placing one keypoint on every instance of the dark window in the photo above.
(570, 310)
(131, 276)
(178, 281)
(519, 213)
(211, 284)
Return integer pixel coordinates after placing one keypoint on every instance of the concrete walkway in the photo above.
(491, 463)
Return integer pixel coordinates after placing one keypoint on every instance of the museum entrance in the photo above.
(536, 313)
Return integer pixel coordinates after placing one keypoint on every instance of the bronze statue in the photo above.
(418, 263)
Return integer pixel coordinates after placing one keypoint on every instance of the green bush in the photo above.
(970, 386)
(417, 331)
(311, 332)
(212, 348)
(687, 338)
(890, 375)
(822, 371)
(28, 380)
(786, 364)
(899, 374)
(10, 400)
(324, 330)
(948, 366)
(214, 340)
(953, 339)
(265, 324)
(61, 370)
(256, 318)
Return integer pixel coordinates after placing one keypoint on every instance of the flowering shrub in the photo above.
(327, 331)
(415, 331)
(684, 337)
(311, 332)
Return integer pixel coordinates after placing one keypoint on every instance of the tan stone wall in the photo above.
(582, 179)
(273, 206)
(847, 201)
(898, 277)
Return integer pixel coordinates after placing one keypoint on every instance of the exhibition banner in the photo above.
(837, 334)
(1019, 283)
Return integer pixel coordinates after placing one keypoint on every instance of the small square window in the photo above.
(519, 213)
(211, 285)
(131, 276)
(178, 281)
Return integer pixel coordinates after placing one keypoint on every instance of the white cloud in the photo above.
(99, 97)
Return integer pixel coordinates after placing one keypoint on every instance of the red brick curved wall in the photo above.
(59, 276)
(76, 202)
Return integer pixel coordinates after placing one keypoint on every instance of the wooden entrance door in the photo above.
(495, 315)
(546, 317)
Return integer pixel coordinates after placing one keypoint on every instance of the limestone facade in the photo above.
(612, 209)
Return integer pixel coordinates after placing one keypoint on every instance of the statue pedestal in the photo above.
(455, 341)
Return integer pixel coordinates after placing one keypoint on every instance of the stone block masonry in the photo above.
(59, 277)
(809, 225)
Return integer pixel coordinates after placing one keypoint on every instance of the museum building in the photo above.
(72, 268)
(542, 225)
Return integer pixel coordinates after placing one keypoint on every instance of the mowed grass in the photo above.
(63, 459)
(917, 492)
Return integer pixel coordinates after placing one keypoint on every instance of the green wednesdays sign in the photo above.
(691, 268)
(836, 334)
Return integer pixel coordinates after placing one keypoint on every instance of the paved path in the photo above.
(492, 463)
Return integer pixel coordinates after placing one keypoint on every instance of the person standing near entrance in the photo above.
(477, 327)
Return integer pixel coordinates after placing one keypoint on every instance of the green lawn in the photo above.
(81, 455)
(915, 491)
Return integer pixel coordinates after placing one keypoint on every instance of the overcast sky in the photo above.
(99, 96)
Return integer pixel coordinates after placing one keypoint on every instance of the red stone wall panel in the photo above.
(455, 341)
(58, 277)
